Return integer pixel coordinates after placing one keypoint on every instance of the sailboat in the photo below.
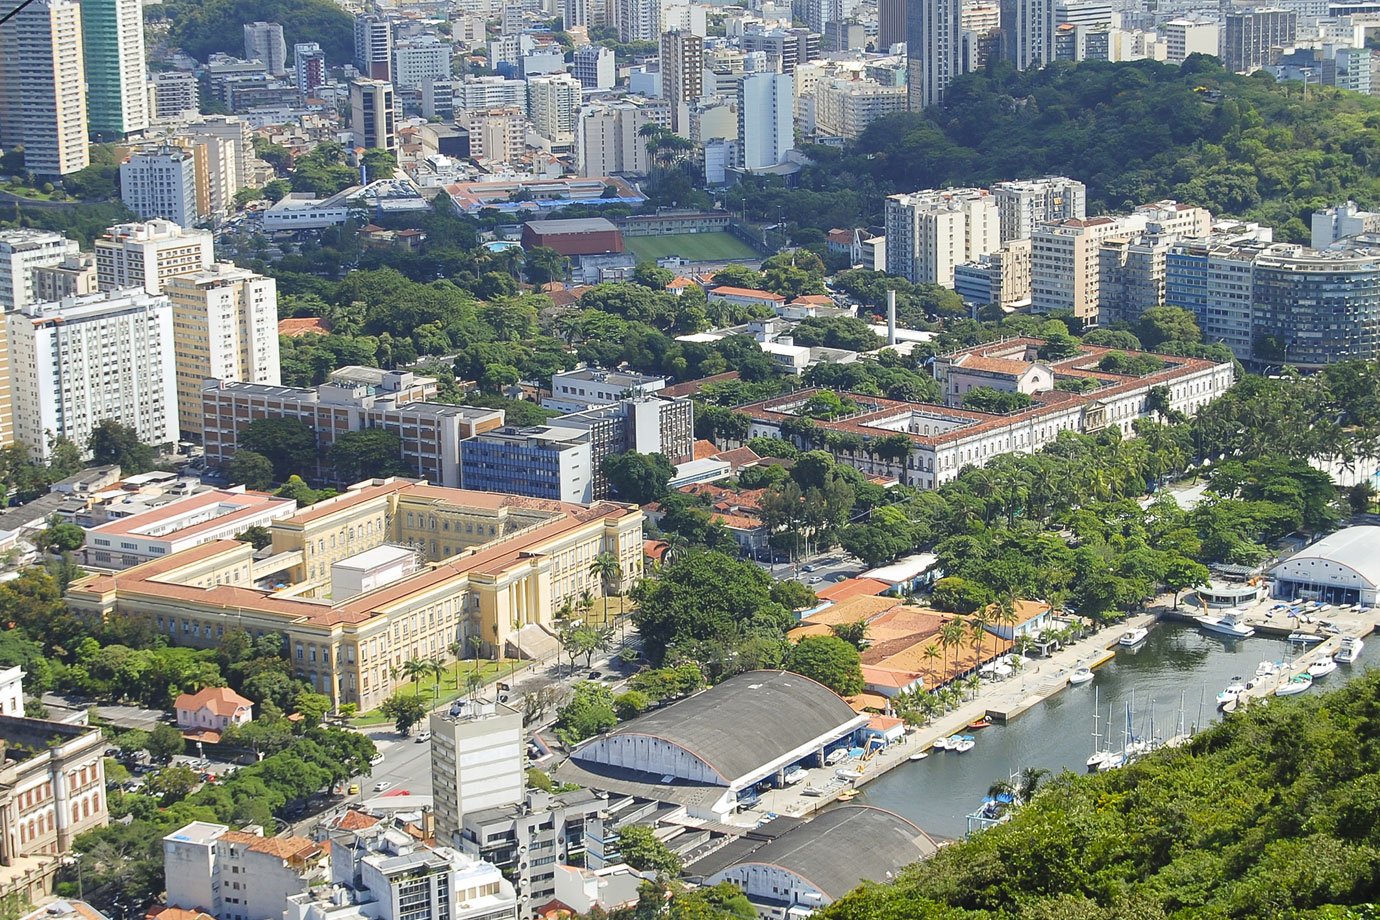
(1098, 759)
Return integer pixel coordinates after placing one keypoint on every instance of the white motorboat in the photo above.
(1322, 667)
(795, 775)
(1232, 693)
(920, 755)
(1295, 685)
(835, 756)
(965, 744)
(1081, 676)
(1133, 636)
(942, 744)
(849, 773)
(1225, 625)
(1307, 638)
(1099, 761)
(1267, 669)
(1350, 650)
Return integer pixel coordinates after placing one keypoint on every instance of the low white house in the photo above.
(213, 709)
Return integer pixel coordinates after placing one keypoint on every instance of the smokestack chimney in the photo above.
(891, 318)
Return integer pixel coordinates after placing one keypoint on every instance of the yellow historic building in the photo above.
(389, 571)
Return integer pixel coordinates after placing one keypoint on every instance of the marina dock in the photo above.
(1042, 678)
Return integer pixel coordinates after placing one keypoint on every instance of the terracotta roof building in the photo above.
(943, 439)
(214, 709)
(490, 563)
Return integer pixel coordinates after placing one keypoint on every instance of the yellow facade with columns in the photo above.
(487, 564)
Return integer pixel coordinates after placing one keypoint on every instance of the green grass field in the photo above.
(697, 247)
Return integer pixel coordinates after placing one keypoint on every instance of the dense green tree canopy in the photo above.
(1133, 132)
(200, 28)
(1272, 813)
(637, 477)
(830, 660)
(287, 443)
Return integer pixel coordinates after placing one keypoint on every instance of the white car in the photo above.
(424, 737)
(376, 760)
(382, 786)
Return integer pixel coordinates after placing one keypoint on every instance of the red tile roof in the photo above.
(752, 293)
(303, 325)
(220, 700)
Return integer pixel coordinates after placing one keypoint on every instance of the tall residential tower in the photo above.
(117, 99)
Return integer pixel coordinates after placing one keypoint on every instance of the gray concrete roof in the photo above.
(748, 720)
(1356, 548)
(841, 848)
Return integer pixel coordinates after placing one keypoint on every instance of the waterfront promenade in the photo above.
(1038, 679)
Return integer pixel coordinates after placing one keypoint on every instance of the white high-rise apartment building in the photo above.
(639, 20)
(1183, 37)
(475, 94)
(175, 96)
(263, 41)
(227, 328)
(160, 182)
(21, 251)
(240, 138)
(934, 50)
(43, 87)
(476, 762)
(553, 103)
(929, 233)
(148, 254)
(1065, 267)
(373, 46)
(766, 132)
(82, 360)
(1027, 28)
(416, 60)
(608, 140)
(117, 103)
(844, 108)
(594, 67)
(496, 135)
(1026, 203)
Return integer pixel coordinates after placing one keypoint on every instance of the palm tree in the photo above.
(608, 570)
(951, 634)
(415, 669)
(1030, 781)
(436, 669)
(476, 644)
(931, 652)
(457, 651)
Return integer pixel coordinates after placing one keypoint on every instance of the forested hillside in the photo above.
(1275, 813)
(201, 27)
(1133, 132)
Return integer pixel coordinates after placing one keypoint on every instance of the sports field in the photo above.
(697, 247)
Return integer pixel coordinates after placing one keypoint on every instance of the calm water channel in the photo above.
(1056, 734)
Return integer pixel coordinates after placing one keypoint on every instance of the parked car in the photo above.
(376, 760)
(424, 737)
(382, 786)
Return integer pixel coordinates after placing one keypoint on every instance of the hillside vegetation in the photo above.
(1275, 813)
(1133, 132)
(200, 27)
